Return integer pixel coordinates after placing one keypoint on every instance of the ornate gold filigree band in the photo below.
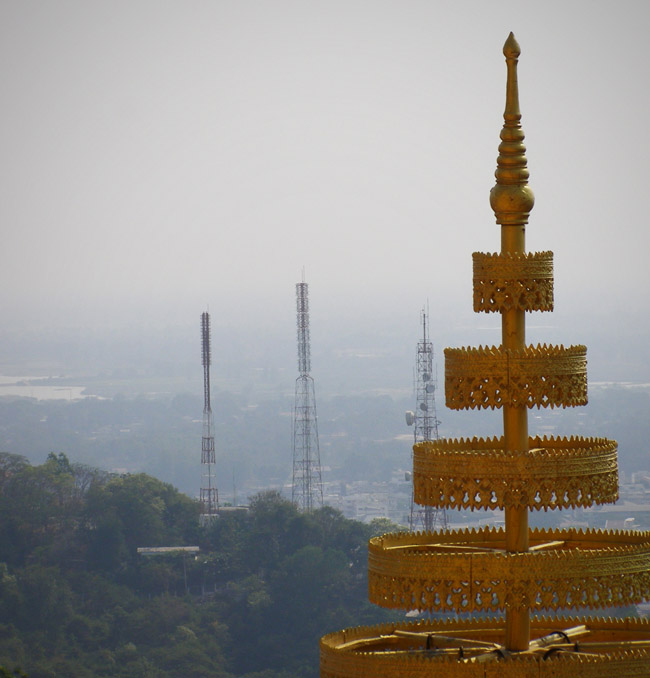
(513, 281)
(478, 474)
(395, 651)
(470, 570)
(542, 376)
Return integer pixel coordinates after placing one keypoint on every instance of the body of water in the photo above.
(29, 387)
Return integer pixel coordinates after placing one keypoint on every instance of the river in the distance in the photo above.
(28, 387)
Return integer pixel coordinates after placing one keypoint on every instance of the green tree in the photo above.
(131, 511)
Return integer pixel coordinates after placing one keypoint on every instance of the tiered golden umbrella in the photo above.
(491, 580)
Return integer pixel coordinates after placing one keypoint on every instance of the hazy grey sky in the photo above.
(160, 156)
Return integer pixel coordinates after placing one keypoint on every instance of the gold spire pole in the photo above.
(512, 200)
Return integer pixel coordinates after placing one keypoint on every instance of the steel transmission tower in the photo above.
(209, 496)
(425, 424)
(307, 484)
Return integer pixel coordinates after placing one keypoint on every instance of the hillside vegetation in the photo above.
(76, 599)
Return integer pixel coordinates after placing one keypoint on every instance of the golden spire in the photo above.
(511, 198)
(519, 572)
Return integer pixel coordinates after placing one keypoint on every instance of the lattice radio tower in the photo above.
(307, 484)
(425, 424)
(209, 496)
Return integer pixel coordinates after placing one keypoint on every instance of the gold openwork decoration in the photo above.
(538, 376)
(479, 474)
(513, 281)
(470, 570)
(606, 648)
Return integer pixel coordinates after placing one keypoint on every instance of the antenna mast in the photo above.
(307, 484)
(209, 496)
(425, 424)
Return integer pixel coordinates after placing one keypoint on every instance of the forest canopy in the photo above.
(77, 600)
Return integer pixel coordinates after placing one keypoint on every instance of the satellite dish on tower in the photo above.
(410, 417)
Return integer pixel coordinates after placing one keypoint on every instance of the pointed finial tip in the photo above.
(511, 49)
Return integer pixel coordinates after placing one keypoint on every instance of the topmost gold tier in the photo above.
(503, 282)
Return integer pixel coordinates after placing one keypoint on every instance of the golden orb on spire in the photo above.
(511, 49)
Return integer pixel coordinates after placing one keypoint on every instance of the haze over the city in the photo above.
(161, 157)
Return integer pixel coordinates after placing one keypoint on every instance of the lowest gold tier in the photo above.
(470, 570)
(560, 648)
(478, 474)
